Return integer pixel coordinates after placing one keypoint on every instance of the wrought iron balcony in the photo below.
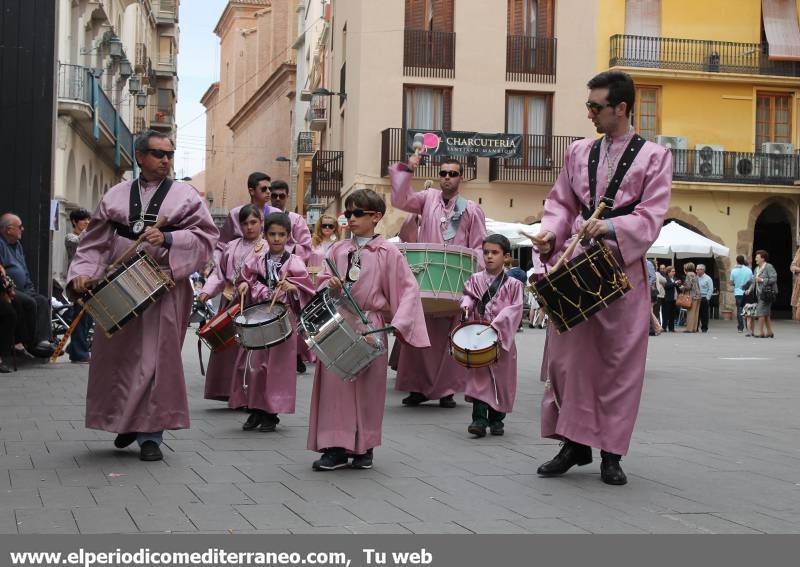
(165, 11)
(327, 169)
(429, 53)
(74, 83)
(161, 117)
(393, 149)
(305, 143)
(166, 65)
(542, 157)
(530, 59)
(140, 59)
(317, 115)
(697, 55)
(708, 166)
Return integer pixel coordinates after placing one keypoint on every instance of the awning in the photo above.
(679, 241)
(780, 25)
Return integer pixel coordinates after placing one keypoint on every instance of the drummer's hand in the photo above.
(153, 236)
(242, 289)
(81, 284)
(464, 314)
(335, 286)
(595, 228)
(544, 242)
(287, 287)
(413, 161)
(202, 298)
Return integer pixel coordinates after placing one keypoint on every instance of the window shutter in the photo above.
(446, 109)
(516, 13)
(545, 20)
(415, 14)
(443, 15)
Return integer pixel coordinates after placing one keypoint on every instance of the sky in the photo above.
(198, 67)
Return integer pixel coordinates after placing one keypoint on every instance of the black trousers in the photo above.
(704, 312)
(36, 310)
(668, 315)
(8, 324)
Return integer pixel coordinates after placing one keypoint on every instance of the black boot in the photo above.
(610, 471)
(570, 454)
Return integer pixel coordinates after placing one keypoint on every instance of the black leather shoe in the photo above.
(570, 454)
(610, 470)
(124, 439)
(477, 429)
(4, 369)
(150, 451)
(497, 428)
(447, 402)
(414, 399)
(331, 460)
(363, 461)
(253, 421)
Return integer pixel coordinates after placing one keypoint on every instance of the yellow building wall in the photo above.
(720, 20)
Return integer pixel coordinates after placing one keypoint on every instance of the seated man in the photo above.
(36, 307)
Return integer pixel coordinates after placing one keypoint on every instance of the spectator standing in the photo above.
(741, 277)
(766, 279)
(78, 349)
(691, 285)
(706, 291)
(794, 267)
(668, 302)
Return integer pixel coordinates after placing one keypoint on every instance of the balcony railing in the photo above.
(326, 175)
(166, 65)
(393, 149)
(697, 55)
(74, 83)
(140, 59)
(429, 53)
(530, 59)
(305, 143)
(125, 139)
(709, 166)
(160, 116)
(542, 157)
(166, 11)
(317, 115)
(106, 111)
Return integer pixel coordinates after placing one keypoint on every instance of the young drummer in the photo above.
(346, 417)
(493, 297)
(267, 385)
(222, 368)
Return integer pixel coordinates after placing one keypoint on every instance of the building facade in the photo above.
(117, 75)
(249, 110)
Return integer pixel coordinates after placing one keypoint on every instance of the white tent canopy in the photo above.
(679, 241)
(511, 230)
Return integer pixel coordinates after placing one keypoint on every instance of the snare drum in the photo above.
(262, 325)
(218, 334)
(441, 271)
(127, 292)
(474, 345)
(333, 330)
(588, 283)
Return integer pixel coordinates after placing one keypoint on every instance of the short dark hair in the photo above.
(247, 211)
(499, 240)
(255, 178)
(280, 184)
(763, 253)
(281, 219)
(79, 215)
(453, 161)
(366, 199)
(620, 88)
(142, 143)
(740, 260)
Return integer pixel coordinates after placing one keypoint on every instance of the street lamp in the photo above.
(115, 47)
(125, 69)
(134, 84)
(282, 158)
(141, 100)
(326, 92)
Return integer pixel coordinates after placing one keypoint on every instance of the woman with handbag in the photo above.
(668, 301)
(766, 279)
(691, 287)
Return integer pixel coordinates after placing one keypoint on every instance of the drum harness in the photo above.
(138, 220)
(450, 229)
(480, 307)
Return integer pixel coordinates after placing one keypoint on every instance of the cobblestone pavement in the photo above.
(715, 450)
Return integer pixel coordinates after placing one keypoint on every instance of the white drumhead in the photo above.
(467, 337)
(262, 313)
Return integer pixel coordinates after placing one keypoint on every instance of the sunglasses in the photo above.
(265, 189)
(331, 226)
(279, 195)
(159, 154)
(358, 213)
(595, 107)
(451, 173)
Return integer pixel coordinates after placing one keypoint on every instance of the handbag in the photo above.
(768, 293)
(684, 301)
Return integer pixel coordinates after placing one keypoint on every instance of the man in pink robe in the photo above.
(594, 373)
(258, 185)
(444, 218)
(346, 417)
(136, 383)
(300, 238)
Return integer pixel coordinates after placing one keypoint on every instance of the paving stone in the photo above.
(366, 528)
(268, 492)
(160, 518)
(66, 497)
(219, 493)
(117, 495)
(215, 517)
(33, 478)
(271, 516)
(105, 520)
(323, 514)
(548, 526)
(219, 473)
(93, 478)
(436, 528)
(378, 511)
(47, 521)
(20, 498)
(491, 527)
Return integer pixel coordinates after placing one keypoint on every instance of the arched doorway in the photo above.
(773, 233)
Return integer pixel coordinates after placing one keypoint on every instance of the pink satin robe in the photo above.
(433, 372)
(136, 381)
(222, 367)
(231, 229)
(270, 374)
(350, 414)
(504, 313)
(596, 370)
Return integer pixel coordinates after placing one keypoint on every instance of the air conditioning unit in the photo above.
(748, 166)
(679, 158)
(709, 160)
(777, 148)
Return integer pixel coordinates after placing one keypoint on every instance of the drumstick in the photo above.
(568, 252)
(275, 297)
(62, 343)
(241, 303)
(494, 384)
(159, 223)
(347, 293)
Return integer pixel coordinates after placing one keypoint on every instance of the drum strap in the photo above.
(455, 219)
(135, 213)
(490, 292)
(625, 163)
(270, 281)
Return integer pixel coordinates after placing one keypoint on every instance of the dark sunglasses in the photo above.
(358, 213)
(331, 226)
(265, 189)
(159, 154)
(595, 107)
(450, 173)
(279, 195)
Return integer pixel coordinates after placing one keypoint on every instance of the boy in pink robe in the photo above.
(492, 390)
(594, 373)
(222, 366)
(136, 383)
(432, 373)
(267, 384)
(346, 417)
